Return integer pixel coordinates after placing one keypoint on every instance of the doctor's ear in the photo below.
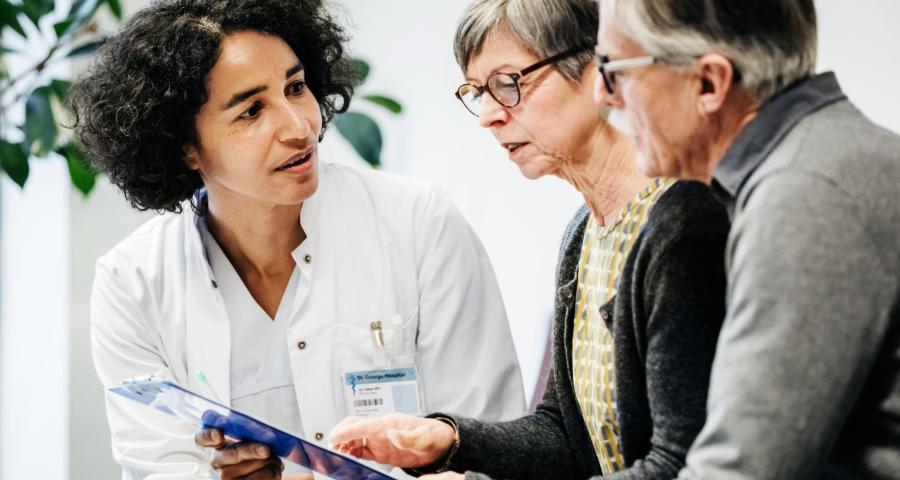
(717, 76)
(191, 157)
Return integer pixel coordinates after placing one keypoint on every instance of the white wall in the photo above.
(34, 325)
(408, 43)
(860, 41)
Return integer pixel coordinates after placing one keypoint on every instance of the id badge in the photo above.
(395, 388)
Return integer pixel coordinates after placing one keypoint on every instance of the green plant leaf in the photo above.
(14, 162)
(362, 71)
(363, 134)
(389, 103)
(86, 48)
(115, 7)
(80, 12)
(59, 89)
(40, 126)
(62, 27)
(35, 9)
(8, 18)
(83, 176)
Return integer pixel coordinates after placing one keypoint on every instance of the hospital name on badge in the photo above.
(371, 393)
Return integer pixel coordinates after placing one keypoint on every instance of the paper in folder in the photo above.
(173, 399)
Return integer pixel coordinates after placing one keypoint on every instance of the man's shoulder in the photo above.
(840, 146)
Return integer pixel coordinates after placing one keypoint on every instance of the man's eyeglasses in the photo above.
(504, 87)
(609, 68)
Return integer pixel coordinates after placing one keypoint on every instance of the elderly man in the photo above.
(806, 381)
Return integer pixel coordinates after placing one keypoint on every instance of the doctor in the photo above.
(278, 277)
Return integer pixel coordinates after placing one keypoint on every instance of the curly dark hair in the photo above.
(135, 106)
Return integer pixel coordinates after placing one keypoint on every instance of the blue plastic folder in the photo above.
(173, 399)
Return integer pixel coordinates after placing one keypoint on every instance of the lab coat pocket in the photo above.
(377, 366)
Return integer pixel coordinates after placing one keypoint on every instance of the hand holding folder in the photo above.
(202, 412)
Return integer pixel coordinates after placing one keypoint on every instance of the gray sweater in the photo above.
(664, 319)
(806, 382)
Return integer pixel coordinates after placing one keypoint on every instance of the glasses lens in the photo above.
(470, 98)
(504, 88)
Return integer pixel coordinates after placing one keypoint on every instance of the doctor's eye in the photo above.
(251, 112)
(297, 88)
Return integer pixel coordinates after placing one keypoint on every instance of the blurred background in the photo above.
(52, 423)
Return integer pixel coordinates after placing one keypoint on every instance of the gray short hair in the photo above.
(545, 27)
(771, 43)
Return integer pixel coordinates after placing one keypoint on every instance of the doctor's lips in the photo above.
(297, 159)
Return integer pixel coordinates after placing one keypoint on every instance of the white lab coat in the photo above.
(378, 244)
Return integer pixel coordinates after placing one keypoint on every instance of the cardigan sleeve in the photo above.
(531, 447)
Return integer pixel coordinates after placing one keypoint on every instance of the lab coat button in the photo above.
(307, 258)
(301, 345)
(604, 314)
(319, 436)
(214, 284)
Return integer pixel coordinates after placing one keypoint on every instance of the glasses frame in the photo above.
(608, 68)
(515, 76)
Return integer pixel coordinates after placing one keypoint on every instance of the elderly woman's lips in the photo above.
(512, 147)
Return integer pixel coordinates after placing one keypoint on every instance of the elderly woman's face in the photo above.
(555, 121)
(259, 127)
(659, 103)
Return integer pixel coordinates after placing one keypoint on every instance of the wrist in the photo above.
(442, 464)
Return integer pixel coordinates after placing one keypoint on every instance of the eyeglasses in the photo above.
(504, 87)
(609, 68)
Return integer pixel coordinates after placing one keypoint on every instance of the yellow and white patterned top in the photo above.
(603, 254)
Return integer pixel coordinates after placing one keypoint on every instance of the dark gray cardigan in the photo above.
(665, 321)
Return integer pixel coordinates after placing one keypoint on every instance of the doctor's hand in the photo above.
(396, 439)
(251, 461)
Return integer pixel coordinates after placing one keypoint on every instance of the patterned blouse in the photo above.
(603, 255)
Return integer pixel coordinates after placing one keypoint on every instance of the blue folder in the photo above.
(173, 399)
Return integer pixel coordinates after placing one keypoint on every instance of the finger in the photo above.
(257, 469)
(209, 437)
(239, 452)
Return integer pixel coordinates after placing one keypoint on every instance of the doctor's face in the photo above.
(258, 130)
(554, 122)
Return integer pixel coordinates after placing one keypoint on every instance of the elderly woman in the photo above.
(640, 281)
(806, 382)
(282, 276)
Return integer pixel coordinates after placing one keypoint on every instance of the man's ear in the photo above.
(716, 79)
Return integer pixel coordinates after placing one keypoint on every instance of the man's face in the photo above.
(659, 103)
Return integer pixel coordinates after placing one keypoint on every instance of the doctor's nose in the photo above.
(293, 125)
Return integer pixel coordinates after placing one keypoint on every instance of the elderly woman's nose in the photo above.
(490, 112)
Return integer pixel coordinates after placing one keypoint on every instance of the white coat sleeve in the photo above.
(468, 359)
(149, 445)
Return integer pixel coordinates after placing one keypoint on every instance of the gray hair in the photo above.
(545, 27)
(771, 43)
